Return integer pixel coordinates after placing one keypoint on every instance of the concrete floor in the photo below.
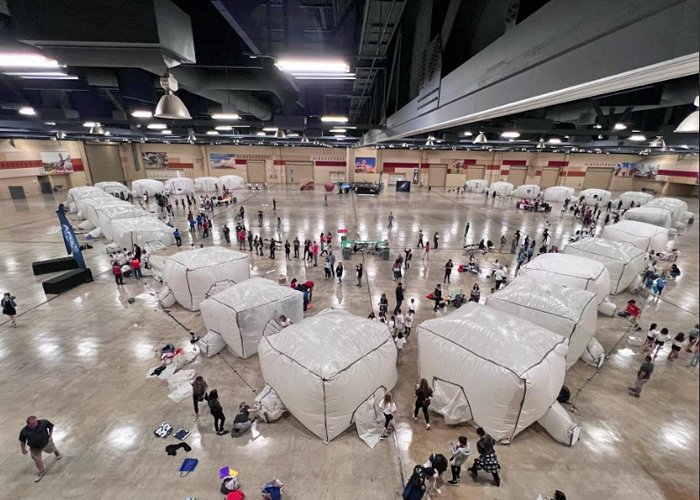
(80, 359)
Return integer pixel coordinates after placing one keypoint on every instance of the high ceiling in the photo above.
(223, 55)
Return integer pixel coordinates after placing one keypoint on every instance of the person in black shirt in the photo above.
(643, 376)
(241, 421)
(437, 296)
(487, 460)
(37, 434)
(400, 293)
(448, 271)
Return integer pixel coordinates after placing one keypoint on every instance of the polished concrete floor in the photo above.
(80, 359)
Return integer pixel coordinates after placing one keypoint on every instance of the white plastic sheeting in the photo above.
(558, 193)
(570, 312)
(676, 206)
(651, 215)
(687, 217)
(194, 274)
(642, 235)
(105, 216)
(179, 185)
(593, 196)
(241, 312)
(211, 344)
(476, 185)
(150, 186)
(89, 207)
(502, 372)
(77, 193)
(559, 424)
(569, 270)
(270, 404)
(526, 191)
(232, 182)
(206, 184)
(325, 367)
(112, 187)
(369, 419)
(500, 188)
(634, 196)
(141, 231)
(623, 260)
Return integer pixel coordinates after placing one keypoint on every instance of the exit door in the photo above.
(45, 184)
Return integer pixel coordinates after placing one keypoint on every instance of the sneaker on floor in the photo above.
(453, 482)
(438, 491)
(415, 418)
(383, 436)
(59, 455)
(39, 476)
(632, 389)
(223, 433)
(427, 427)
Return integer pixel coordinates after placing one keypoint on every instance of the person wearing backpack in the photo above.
(423, 394)
(217, 412)
(415, 487)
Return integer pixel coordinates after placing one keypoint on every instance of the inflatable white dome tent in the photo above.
(324, 368)
(240, 313)
(77, 193)
(642, 235)
(487, 366)
(206, 184)
(193, 275)
(106, 215)
(623, 260)
(675, 206)
(179, 185)
(593, 196)
(232, 182)
(476, 185)
(89, 207)
(558, 193)
(141, 231)
(526, 191)
(569, 312)
(638, 197)
(113, 188)
(500, 188)
(651, 215)
(150, 186)
(569, 270)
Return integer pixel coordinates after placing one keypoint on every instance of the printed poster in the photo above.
(222, 160)
(366, 165)
(154, 160)
(57, 162)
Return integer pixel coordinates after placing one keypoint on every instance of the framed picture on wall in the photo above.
(222, 160)
(154, 160)
(56, 162)
(366, 165)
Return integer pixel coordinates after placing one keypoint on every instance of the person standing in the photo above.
(426, 251)
(460, 454)
(274, 205)
(217, 412)
(503, 243)
(38, 434)
(199, 393)
(117, 271)
(500, 277)
(695, 349)
(279, 225)
(136, 268)
(420, 239)
(250, 241)
(407, 259)
(435, 240)
(531, 250)
(205, 228)
(339, 272)
(643, 376)
(400, 294)
(423, 394)
(178, 239)
(287, 249)
(391, 219)
(358, 273)
(296, 247)
(388, 408)
(437, 296)
(273, 247)
(466, 230)
(260, 218)
(307, 250)
(314, 252)
(408, 322)
(9, 307)
(448, 271)
(487, 460)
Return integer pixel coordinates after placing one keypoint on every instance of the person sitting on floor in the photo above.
(242, 421)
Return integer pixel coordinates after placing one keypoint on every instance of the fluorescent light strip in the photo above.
(334, 119)
(225, 116)
(141, 113)
(156, 126)
(312, 66)
(270, 129)
(348, 76)
(18, 60)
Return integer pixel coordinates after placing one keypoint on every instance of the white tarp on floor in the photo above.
(569, 270)
(570, 312)
(651, 215)
(179, 185)
(193, 275)
(207, 184)
(526, 191)
(642, 235)
(623, 260)
(638, 197)
(488, 366)
(112, 187)
(141, 231)
(241, 312)
(500, 188)
(476, 185)
(150, 186)
(558, 193)
(232, 182)
(327, 366)
(593, 196)
(677, 207)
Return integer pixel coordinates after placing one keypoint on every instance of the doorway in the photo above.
(517, 175)
(256, 172)
(17, 193)
(598, 178)
(295, 172)
(437, 175)
(45, 184)
(550, 177)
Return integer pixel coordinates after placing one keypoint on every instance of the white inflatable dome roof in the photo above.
(192, 275)
(526, 191)
(476, 185)
(179, 185)
(112, 187)
(569, 312)
(206, 184)
(500, 188)
(241, 312)
(141, 231)
(506, 371)
(105, 216)
(558, 193)
(76, 193)
(593, 196)
(634, 196)
(677, 207)
(623, 260)
(569, 270)
(651, 215)
(325, 367)
(232, 182)
(150, 186)
(642, 235)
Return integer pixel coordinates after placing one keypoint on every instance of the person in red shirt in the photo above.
(241, 239)
(329, 239)
(632, 313)
(117, 270)
(136, 268)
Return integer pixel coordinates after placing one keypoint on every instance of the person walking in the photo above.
(199, 393)
(217, 412)
(423, 394)
(314, 253)
(437, 296)
(274, 205)
(460, 453)
(531, 250)
(407, 260)
(500, 277)
(408, 322)
(487, 460)
(391, 219)
(178, 239)
(296, 247)
(436, 237)
(466, 230)
(420, 239)
(9, 307)
(503, 243)
(643, 376)
(695, 349)
(260, 218)
(448, 271)
(205, 228)
(287, 249)
(117, 271)
(426, 251)
(400, 294)
(358, 274)
(388, 408)
(273, 247)
(327, 268)
(279, 225)
(38, 434)
(339, 272)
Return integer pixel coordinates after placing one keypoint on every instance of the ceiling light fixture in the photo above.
(430, 141)
(480, 138)
(554, 140)
(338, 130)
(191, 137)
(88, 124)
(225, 116)
(292, 134)
(27, 111)
(329, 76)
(270, 129)
(467, 133)
(312, 66)
(620, 126)
(19, 60)
(658, 142)
(156, 126)
(279, 134)
(334, 119)
(339, 137)
(691, 123)
(637, 137)
(166, 131)
(261, 134)
(304, 139)
(510, 134)
(212, 132)
(141, 113)
(171, 106)
(97, 129)
(60, 135)
(597, 126)
(540, 144)
(223, 127)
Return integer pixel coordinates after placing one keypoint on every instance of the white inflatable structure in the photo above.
(106, 215)
(141, 231)
(675, 206)
(644, 236)
(593, 196)
(327, 366)
(500, 188)
(638, 197)
(150, 186)
(476, 185)
(526, 191)
(558, 193)
(651, 215)
(179, 185)
(206, 184)
(241, 312)
(569, 312)
(77, 193)
(193, 275)
(569, 270)
(89, 207)
(232, 182)
(113, 188)
(623, 260)
(487, 366)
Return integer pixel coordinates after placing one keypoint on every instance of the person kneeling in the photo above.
(242, 421)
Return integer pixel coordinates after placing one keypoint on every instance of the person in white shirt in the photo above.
(400, 342)
(651, 337)
(500, 277)
(392, 325)
(661, 338)
(408, 322)
(388, 408)
(399, 321)
(460, 453)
